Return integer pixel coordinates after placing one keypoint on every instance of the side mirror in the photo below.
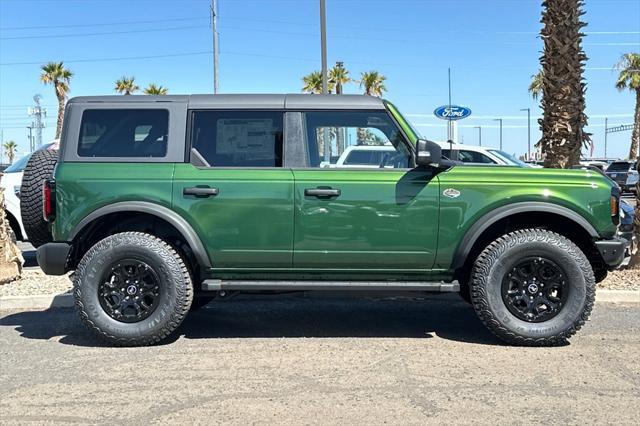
(428, 153)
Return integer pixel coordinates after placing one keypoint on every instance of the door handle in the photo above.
(322, 192)
(200, 191)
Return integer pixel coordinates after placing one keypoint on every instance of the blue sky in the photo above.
(267, 45)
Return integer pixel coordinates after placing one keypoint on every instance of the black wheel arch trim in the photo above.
(162, 212)
(490, 218)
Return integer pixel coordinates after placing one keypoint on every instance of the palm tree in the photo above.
(339, 76)
(629, 78)
(154, 89)
(313, 83)
(126, 85)
(56, 74)
(10, 148)
(373, 83)
(563, 87)
(535, 88)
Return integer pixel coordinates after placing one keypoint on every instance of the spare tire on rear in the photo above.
(39, 168)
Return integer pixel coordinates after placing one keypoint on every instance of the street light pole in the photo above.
(214, 28)
(606, 128)
(528, 132)
(479, 134)
(323, 45)
(500, 120)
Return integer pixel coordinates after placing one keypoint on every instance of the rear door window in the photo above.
(124, 133)
(238, 138)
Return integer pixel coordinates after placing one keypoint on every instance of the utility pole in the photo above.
(323, 45)
(38, 113)
(528, 132)
(500, 120)
(479, 134)
(214, 28)
(606, 132)
(31, 148)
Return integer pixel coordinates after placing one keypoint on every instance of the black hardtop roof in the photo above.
(242, 101)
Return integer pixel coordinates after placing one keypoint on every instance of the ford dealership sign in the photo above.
(452, 112)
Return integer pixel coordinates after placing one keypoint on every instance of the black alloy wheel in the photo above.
(129, 290)
(534, 289)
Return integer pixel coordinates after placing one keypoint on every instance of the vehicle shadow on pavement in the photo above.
(288, 317)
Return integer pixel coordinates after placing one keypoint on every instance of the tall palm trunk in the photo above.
(635, 137)
(61, 99)
(563, 103)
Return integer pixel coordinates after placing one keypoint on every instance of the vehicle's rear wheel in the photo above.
(533, 287)
(39, 168)
(132, 289)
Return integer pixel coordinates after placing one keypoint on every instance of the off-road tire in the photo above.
(497, 259)
(176, 289)
(39, 168)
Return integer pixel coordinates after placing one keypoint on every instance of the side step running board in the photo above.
(217, 285)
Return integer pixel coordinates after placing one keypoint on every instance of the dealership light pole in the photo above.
(214, 28)
(500, 120)
(479, 134)
(323, 52)
(606, 131)
(323, 45)
(529, 132)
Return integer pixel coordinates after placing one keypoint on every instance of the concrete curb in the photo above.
(618, 296)
(48, 301)
(37, 302)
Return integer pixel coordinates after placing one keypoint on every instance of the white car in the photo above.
(364, 156)
(10, 182)
(470, 154)
(372, 156)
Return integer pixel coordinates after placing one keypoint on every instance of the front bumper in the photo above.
(52, 258)
(614, 252)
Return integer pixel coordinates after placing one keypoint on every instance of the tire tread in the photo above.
(492, 253)
(185, 293)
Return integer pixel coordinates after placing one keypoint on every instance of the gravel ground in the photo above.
(627, 279)
(35, 282)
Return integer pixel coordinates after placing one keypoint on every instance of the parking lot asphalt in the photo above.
(294, 360)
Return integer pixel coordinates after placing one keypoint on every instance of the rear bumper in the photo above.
(614, 252)
(52, 258)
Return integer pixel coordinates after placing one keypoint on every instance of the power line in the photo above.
(260, 55)
(153, 21)
(48, 36)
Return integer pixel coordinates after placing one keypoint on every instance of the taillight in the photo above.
(49, 200)
(614, 204)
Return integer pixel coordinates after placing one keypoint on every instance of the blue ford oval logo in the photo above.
(452, 112)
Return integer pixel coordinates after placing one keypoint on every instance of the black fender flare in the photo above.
(162, 212)
(492, 217)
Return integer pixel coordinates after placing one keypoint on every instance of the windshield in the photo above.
(621, 166)
(406, 125)
(508, 158)
(19, 165)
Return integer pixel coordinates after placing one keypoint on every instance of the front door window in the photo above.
(360, 139)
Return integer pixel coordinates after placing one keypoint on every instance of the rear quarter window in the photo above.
(124, 133)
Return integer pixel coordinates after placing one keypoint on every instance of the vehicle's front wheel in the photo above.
(132, 289)
(533, 287)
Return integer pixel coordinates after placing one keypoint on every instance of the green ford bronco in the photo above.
(160, 204)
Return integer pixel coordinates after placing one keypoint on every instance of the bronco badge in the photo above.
(451, 193)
